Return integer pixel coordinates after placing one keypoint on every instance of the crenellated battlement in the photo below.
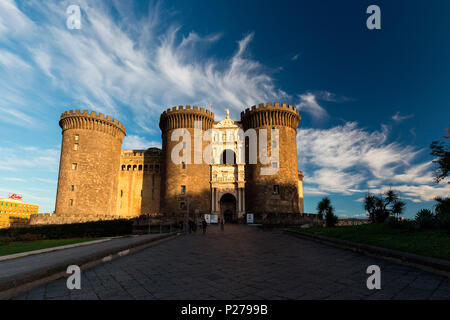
(185, 117)
(77, 119)
(276, 114)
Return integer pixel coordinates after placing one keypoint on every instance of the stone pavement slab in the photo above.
(246, 263)
(22, 271)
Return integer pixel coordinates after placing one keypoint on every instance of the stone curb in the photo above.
(68, 246)
(429, 264)
(13, 286)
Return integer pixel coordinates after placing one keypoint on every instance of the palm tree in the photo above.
(330, 218)
(369, 206)
(397, 207)
(380, 208)
(323, 206)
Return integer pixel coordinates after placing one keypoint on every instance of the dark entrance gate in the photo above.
(228, 208)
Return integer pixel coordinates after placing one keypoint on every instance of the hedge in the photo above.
(107, 228)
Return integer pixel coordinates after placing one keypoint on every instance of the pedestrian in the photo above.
(190, 225)
(204, 225)
(221, 225)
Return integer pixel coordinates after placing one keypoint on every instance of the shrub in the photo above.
(4, 241)
(28, 237)
(381, 208)
(330, 218)
(393, 222)
(324, 206)
(425, 219)
(107, 228)
(396, 223)
(442, 210)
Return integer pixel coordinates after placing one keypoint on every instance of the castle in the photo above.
(97, 179)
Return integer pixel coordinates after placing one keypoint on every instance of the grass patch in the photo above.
(24, 246)
(430, 243)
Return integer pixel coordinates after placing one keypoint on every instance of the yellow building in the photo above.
(14, 213)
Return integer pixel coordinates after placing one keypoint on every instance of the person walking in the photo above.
(204, 225)
(222, 225)
(190, 226)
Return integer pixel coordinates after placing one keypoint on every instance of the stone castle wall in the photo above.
(195, 177)
(47, 219)
(89, 164)
(139, 182)
(261, 195)
(97, 180)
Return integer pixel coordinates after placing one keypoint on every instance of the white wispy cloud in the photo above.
(311, 102)
(12, 61)
(12, 179)
(308, 103)
(399, 118)
(134, 142)
(19, 158)
(12, 21)
(109, 64)
(350, 160)
(23, 119)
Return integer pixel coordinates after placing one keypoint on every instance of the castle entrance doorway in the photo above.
(228, 208)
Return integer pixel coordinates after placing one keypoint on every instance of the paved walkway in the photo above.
(16, 268)
(245, 263)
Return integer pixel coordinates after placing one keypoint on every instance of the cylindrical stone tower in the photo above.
(89, 165)
(275, 192)
(185, 184)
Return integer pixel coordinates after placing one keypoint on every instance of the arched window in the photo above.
(140, 167)
(134, 167)
(228, 157)
(129, 167)
(123, 167)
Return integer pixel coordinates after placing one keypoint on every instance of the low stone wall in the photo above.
(269, 220)
(352, 222)
(310, 219)
(287, 219)
(46, 219)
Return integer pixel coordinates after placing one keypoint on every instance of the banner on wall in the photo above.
(249, 217)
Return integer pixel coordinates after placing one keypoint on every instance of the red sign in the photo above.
(15, 196)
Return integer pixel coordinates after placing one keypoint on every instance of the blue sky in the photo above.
(371, 100)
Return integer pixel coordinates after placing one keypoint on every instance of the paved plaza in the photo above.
(244, 262)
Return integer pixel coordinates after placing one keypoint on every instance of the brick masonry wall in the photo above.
(196, 177)
(260, 197)
(46, 219)
(97, 159)
(139, 182)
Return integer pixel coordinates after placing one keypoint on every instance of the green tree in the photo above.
(442, 211)
(324, 208)
(330, 218)
(441, 152)
(380, 208)
(425, 219)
